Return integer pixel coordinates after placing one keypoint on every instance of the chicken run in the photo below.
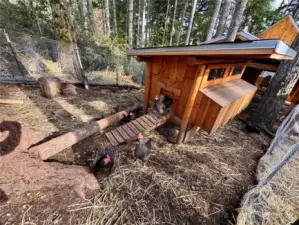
(198, 182)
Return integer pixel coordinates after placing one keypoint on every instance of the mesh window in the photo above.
(237, 70)
(216, 73)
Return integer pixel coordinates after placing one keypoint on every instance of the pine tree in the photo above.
(213, 20)
(191, 22)
(223, 17)
(236, 21)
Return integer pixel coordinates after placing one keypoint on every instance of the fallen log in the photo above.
(58, 144)
(10, 101)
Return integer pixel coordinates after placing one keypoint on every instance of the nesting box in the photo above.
(204, 81)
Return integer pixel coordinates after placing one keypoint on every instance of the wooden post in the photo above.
(191, 132)
(190, 103)
(148, 76)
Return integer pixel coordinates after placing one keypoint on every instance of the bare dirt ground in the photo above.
(200, 182)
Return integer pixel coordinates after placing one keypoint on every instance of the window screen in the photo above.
(237, 70)
(216, 73)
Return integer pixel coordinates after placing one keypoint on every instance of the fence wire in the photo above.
(40, 57)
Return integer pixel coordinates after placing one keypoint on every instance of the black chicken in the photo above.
(103, 160)
(128, 118)
(143, 149)
(3, 196)
(252, 129)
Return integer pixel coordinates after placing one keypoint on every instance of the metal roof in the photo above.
(253, 49)
(243, 33)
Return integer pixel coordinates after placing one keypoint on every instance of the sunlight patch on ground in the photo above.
(73, 110)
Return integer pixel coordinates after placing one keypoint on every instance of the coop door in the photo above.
(171, 94)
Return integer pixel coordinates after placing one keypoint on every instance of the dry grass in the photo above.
(195, 183)
(277, 202)
(200, 182)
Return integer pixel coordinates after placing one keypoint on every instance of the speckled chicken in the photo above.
(159, 105)
(103, 160)
(143, 149)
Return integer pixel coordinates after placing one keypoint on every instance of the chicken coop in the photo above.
(204, 81)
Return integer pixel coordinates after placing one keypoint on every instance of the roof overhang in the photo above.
(275, 49)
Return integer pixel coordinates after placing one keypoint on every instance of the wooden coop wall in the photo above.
(175, 77)
(285, 30)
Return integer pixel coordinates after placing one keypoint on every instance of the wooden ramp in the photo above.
(129, 132)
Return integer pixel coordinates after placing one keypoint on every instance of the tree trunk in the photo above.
(144, 2)
(182, 22)
(149, 24)
(278, 90)
(130, 24)
(62, 25)
(165, 24)
(190, 22)
(107, 15)
(173, 21)
(90, 15)
(237, 19)
(213, 20)
(138, 39)
(223, 17)
(114, 18)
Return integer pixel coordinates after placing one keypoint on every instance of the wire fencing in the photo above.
(275, 199)
(24, 57)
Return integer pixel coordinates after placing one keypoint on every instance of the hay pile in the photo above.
(277, 202)
(196, 183)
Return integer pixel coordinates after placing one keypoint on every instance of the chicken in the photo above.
(143, 149)
(128, 118)
(3, 196)
(103, 160)
(167, 102)
(252, 129)
(159, 104)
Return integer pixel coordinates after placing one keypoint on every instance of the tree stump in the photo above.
(69, 90)
(50, 86)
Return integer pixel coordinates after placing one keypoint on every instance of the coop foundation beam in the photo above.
(58, 144)
(190, 103)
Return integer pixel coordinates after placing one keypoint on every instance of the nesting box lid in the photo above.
(226, 93)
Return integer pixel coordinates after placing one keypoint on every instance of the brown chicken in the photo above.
(143, 149)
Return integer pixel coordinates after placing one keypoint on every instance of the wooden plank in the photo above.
(263, 66)
(128, 130)
(111, 138)
(156, 116)
(117, 136)
(149, 117)
(123, 133)
(133, 128)
(190, 103)
(147, 121)
(58, 144)
(138, 126)
(142, 123)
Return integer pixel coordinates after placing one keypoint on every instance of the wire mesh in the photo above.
(275, 199)
(40, 56)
